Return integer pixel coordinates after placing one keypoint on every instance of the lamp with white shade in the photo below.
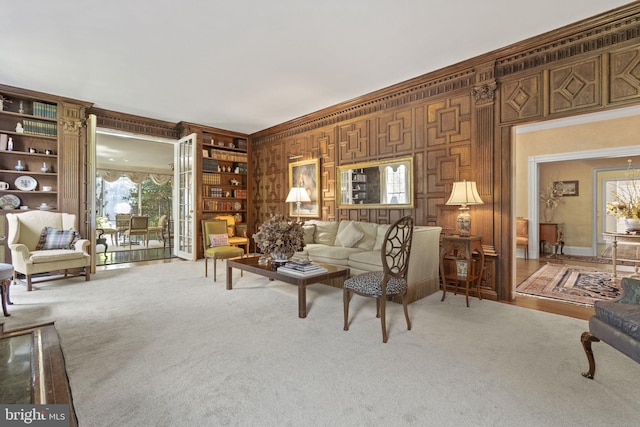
(298, 195)
(464, 193)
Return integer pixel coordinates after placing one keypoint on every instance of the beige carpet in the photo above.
(160, 345)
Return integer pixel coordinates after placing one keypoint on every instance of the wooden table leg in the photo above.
(302, 301)
(229, 276)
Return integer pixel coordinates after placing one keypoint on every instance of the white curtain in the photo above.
(135, 177)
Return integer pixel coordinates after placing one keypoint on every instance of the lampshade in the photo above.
(298, 194)
(464, 193)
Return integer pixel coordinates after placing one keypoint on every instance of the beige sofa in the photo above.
(25, 232)
(357, 244)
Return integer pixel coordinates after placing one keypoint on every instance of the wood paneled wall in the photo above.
(457, 124)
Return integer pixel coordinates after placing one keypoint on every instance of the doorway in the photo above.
(134, 177)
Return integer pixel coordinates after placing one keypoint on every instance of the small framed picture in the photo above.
(566, 188)
(205, 153)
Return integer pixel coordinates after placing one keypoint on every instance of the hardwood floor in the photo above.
(524, 268)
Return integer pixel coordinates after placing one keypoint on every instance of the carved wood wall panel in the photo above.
(575, 86)
(624, 74)
(587, 66)
(521, 98)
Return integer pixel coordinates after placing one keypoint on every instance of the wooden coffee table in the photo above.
(251, 265)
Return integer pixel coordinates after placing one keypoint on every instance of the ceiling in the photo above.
(249, 65)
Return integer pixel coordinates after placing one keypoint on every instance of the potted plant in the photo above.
(626, 201)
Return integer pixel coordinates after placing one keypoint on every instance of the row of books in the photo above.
(36, 127)
(302, 269)
(45, 110)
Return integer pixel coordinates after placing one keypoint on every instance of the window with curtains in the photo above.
(396, 190)
(132, 192)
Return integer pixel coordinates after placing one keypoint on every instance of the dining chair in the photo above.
(122, 225)
(522, 235)
(138, 226)
(215, 238)
(391, 281)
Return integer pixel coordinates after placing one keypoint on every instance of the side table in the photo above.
(456, 245)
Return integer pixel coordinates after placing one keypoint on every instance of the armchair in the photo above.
(35, 251)
(617, 323)
(237, 232)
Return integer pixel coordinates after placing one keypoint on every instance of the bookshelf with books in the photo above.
(29, 146)
(223, 174)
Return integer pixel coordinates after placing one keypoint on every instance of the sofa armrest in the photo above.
(82, 245)
(20, 249)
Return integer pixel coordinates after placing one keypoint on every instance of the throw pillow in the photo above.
(43, 239)
(218, 240)
(308, 232)
(57, 239)
(350, 235)
(382, 230)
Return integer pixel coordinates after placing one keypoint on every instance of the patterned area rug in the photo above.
(570, 283)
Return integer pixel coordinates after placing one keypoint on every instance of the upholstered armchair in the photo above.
(46, 242)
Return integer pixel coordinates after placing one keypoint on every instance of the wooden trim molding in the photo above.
(135, 124)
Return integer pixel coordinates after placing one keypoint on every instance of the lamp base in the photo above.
(464, 222)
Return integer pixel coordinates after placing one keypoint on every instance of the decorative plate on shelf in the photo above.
(9, 201)
(237, 206)
(26, 183)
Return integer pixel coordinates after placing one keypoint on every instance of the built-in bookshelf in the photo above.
(29, 147)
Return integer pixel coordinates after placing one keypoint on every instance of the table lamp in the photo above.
(464, 193)
(298, 195)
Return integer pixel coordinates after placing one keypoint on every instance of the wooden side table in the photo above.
(549, 233)
(467, 246)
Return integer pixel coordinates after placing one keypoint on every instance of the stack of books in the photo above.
(301, 269)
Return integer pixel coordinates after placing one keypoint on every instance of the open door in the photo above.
(184, 198)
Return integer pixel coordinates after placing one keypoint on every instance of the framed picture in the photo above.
(205, 153)
(567, 188)
(306, 174)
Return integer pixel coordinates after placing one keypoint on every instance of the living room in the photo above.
(460, 122)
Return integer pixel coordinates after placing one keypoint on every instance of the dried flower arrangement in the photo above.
(626, 200)
(279, 237)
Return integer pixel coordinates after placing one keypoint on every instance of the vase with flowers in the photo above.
(551, 197)
(626, 200)
(280, 238)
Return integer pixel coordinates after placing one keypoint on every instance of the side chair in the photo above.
(391, 281)
(138, 226)
(215, 239)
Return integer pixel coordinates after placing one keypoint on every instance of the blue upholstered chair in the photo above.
(616, 323)
(389, 282)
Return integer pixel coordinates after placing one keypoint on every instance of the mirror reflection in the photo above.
(384, 183)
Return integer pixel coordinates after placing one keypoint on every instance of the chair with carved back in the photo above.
(391, 281)
(138, 226)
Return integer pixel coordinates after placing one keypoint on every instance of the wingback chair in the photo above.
(45, 242)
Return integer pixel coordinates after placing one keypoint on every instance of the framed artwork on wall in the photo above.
(567, 188)
(306, 174)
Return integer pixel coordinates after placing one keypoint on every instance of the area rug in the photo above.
(571, 283)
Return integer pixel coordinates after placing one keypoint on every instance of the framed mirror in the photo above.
(378, 184)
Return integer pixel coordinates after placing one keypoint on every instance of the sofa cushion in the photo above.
(308, 231)
(348, 235)
(366, 260)
(625, 317)
(335, 255)
(53, 255)
(382, 230)
(325, 232)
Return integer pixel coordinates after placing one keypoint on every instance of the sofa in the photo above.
(46, 242)
(357, 245)
(616, 323)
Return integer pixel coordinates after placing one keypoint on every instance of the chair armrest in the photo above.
(631, 291)
(82, 245)
(20, 249)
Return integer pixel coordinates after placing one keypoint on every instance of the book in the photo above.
(299, 273)
(304, 266)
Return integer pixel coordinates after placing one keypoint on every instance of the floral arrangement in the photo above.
(626, 200)
(551, 196)
(279, 237)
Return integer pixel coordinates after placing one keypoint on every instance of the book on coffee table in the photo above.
(286, 269)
